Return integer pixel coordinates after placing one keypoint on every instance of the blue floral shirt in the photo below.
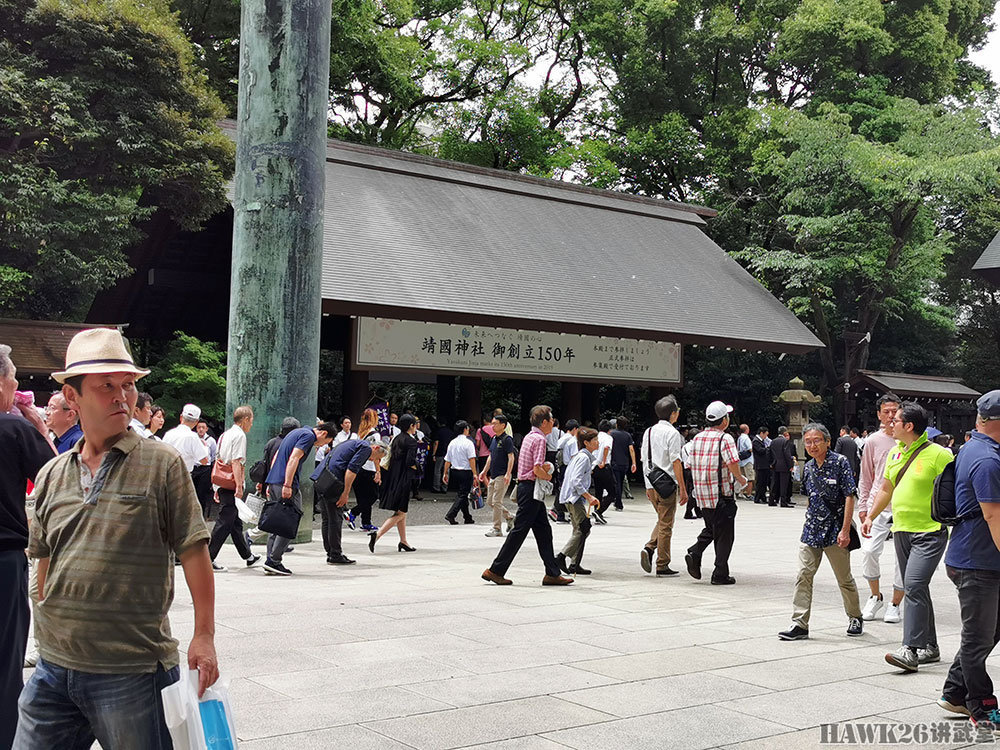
(828, 487)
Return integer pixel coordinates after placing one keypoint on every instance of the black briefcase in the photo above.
(280, 518)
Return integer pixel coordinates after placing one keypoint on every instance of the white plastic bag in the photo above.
(255, 503)
(245, 512)
(198, 724)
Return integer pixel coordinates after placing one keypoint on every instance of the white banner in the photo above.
(381, 344)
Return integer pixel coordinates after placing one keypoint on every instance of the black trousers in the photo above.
(619, 473)
(763, 482)
(228, 524)
(531, 516)
(201, 475)
(720, 531)
(332, 527)
(463, 484)
(604, 487)
(979, 600)
(366, 492)
(14, 618)
(558, 507)
(781, 487)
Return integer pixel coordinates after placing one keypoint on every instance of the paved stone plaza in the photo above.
(415, 651)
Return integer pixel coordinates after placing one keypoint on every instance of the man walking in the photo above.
(283, 482)
(194, 453)
(761, 464)
(604, 479)
(461, 458)
(344, 462)
(531, 514)
(973, 565)
(622, 458)
(207, 440)
(744, 447)
(661, 450)
(711, 450)
(24, 450)
(63, 422)
(847, 447)
(782, 461)
(233, 453)
(142, 415)
(920, 541)
(110, 516)
(565, 451)
(498, 472)
(877, 448)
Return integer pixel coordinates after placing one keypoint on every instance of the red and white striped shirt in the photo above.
(532, 454)
(704, 457)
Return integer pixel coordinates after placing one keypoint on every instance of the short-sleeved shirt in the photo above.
(620, 442)
(68, 439)
(977, 480)
(485, 440)
(665, 448)
(23, 451)
(350, 455)
(569, 446)
(110, 580)
(500, 448)
(911, 498)
(304, 439)
(704, 457)
(186, 442)
(461, 453)
(827, 487)
(233, 445)
(744, 444)
(532, 454)
(604, 440)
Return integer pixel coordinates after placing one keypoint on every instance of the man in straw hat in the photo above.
(110, 515)
(23, 452)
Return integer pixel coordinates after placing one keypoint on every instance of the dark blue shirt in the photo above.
(349, 455)
(68, 439)
(828, 487)
(501, 447)
(977, 480)
(303, 438)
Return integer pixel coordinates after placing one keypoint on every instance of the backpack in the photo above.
(943, 507)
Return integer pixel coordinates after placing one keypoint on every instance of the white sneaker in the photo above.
(872, 607)
(893, 613)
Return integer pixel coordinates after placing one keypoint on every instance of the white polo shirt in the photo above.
(603, 439)
(461, 453)
(186, 442)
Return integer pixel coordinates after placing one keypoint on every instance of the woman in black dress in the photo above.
(397, 482)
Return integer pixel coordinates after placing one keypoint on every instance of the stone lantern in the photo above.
(797, 400)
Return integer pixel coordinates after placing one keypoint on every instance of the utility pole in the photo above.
(275, 294)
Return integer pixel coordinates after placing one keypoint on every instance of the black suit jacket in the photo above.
(847, 448)
(761, 457)
(782, 454)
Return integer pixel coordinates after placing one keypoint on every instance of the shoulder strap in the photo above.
(722, 437)
(906, 466)
(648, 438)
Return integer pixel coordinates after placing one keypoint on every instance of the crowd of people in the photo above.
(114, 509)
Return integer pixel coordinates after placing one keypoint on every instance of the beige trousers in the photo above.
(809, 560)
(494, 496)
(666, 509)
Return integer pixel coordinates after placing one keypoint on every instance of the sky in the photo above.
(989, 56)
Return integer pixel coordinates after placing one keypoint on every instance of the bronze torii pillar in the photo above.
(275, 295)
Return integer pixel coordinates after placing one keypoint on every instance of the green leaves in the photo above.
(189, 371)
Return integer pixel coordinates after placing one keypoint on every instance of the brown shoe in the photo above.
(489, 575)
(556, 581)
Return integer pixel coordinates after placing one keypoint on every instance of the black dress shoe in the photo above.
(451, 520)
(727, 581)
(561, 562)
(577, 570)
(668, 571)
(470, 519)
(693, 566)
(342, 560)
(788, 505)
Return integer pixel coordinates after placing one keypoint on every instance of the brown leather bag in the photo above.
(222, 476)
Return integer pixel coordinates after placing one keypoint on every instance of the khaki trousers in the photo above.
(809, 560)
(581, 530)
(494, 496)
(666, 509)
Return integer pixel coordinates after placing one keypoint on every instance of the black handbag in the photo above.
(258, 472)
(328, 485)
(662, 482)
(280, 518)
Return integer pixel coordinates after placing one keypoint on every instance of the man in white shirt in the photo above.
(461, 458)
(661, 449)
(344, 435)
(744, 447)
(193, 452)
(393, 430)
(565, 450)
(141, 415)
(233, 452)
(604, 478)
(206, 437)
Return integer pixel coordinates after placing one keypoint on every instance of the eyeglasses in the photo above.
(49, 409)
(814, 442)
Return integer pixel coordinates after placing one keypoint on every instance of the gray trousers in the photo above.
(276, 545)
(918, 555)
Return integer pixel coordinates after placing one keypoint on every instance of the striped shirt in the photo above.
(532, 454)
(704, 456)
(110, 547)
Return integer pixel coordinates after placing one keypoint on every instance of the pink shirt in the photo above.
(532, 454)
(877, 448)
(484, 440)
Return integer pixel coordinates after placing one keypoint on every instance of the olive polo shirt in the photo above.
(911, 498)
(110, 580)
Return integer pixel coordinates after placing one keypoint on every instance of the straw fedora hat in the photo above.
(98, 350)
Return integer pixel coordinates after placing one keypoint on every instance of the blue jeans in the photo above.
(66, 709)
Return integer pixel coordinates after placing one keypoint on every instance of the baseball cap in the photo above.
(988, 405)
(717, 410)
(190, 411)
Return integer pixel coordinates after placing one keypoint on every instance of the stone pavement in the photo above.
(415, 651)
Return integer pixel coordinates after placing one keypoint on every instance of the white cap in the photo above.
(191, 411)
(717, 410)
